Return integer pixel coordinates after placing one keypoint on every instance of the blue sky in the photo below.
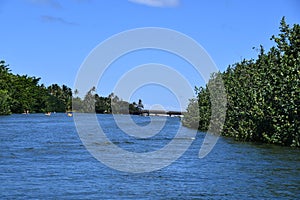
(51, 38)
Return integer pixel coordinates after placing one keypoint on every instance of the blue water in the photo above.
(42, 157)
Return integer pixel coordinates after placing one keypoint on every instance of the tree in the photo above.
(5, 83)
(89, 101)
(4, 103)
(60, 98)
(21, 93)
(192, 117)
(262, 95)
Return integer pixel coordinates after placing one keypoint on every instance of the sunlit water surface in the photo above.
(42, 157)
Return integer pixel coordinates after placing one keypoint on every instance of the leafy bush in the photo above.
(263, 95)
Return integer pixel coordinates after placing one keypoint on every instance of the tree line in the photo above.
(263, 94)
(92, 102)
(24, 94)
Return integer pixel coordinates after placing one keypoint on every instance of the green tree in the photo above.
(4, 103)
(102, 104)
(89, 101)
(21, 93)
(59, 99)
(262, 95)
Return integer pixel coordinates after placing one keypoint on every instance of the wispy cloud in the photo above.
(51, 3)
(157, 3)
(48, 18)
(82, 1)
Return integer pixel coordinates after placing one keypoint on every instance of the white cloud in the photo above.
(51, 3)
(48, 18)
(157, 3)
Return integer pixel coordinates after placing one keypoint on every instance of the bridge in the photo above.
(161, 112)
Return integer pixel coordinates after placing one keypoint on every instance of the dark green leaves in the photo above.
(263, 95)
(20, 94)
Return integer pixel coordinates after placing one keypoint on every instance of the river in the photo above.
(42, 157)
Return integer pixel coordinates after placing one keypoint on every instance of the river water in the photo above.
(42, 157)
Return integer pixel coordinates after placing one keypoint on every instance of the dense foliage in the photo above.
(19, 94)
(24, 94)
(263, 95)
(92, 102)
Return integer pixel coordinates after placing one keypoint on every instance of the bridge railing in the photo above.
(162, 112)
